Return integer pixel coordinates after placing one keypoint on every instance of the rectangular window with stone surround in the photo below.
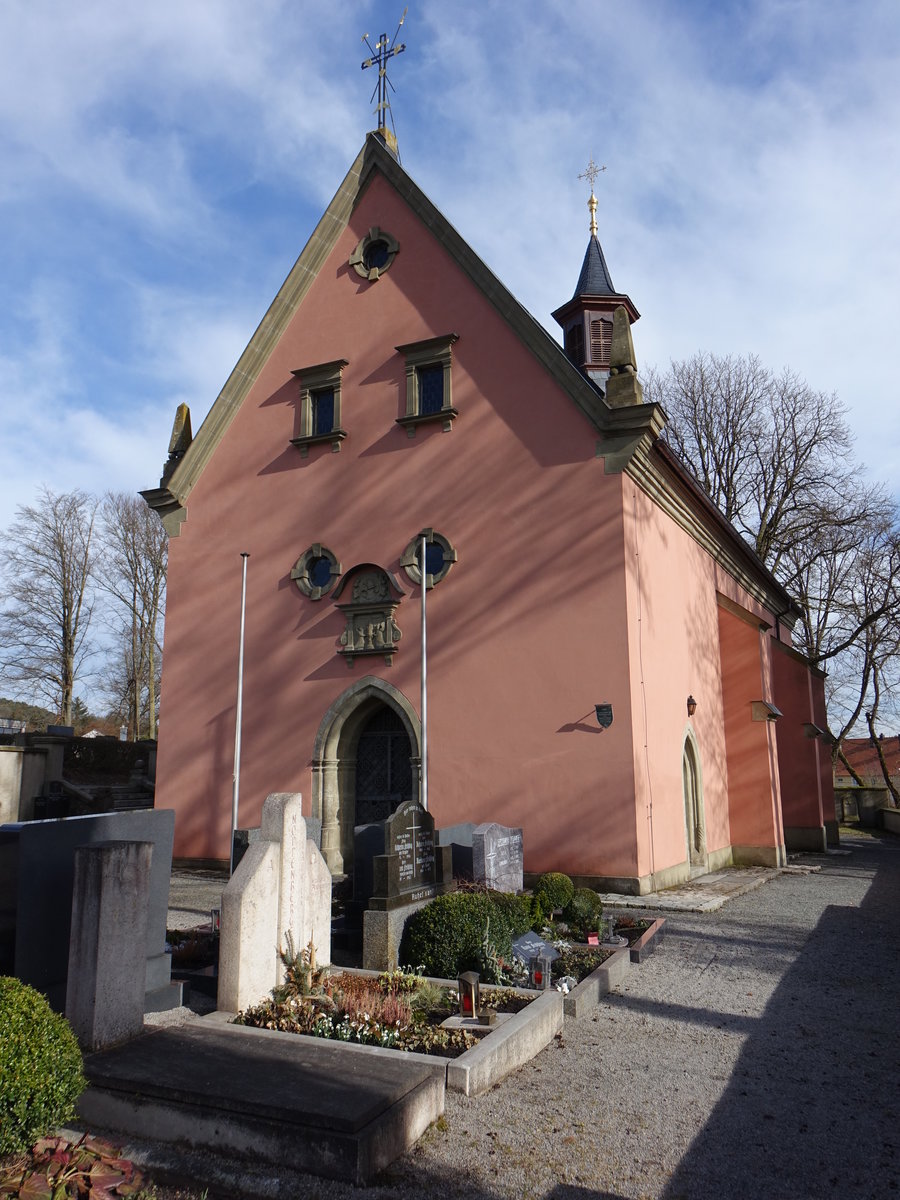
(428, 383)
(320, 406)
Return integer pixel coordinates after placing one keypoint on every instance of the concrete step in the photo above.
(264, 1097)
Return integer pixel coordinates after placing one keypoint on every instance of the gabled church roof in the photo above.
(623, 428)
(629, 436)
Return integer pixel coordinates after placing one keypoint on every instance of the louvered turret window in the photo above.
(601, 341)
(575, 344)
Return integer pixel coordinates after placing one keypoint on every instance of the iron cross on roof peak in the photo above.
(590, 173)
(384, 49)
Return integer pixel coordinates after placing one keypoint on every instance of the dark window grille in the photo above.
(322, 411)
(431, 389)
(383, 768)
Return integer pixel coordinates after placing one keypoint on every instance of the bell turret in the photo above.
(587, 319)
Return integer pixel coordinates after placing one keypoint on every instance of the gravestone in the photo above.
(37, 875)
(530, 945)
(368, 840)
(105, 985)
(412, 871)
(282, 885)
(497, 857)
(459, 839)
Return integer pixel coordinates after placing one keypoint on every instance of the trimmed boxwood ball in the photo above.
(40, 1067)
(446, 935)
(554, 890)
(583, 911)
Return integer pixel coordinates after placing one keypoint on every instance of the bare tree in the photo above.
(132, 571)
(46, 563)
(776, 457)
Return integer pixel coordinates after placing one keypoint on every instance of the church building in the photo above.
(609, 666)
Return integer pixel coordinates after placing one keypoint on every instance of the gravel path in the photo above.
(755, 1055)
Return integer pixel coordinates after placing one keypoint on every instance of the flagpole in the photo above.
(236, 779)
(424, 679)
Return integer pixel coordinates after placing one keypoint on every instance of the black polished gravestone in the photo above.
(412, 868)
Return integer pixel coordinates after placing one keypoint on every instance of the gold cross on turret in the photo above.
(591, 173)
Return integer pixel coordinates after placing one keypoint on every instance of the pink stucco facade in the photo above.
(572, 587)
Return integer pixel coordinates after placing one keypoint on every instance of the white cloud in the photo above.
(164, 166)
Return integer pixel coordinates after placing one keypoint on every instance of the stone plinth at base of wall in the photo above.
(812, 839)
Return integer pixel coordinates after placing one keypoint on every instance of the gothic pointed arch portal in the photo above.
(366, 759)
(694, 816)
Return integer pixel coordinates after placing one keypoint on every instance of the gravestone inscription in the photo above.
(497, 857)
(407, 871)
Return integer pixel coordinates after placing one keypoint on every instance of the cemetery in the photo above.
(454, 985)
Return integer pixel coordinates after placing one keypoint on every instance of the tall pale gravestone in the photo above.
(282, 885)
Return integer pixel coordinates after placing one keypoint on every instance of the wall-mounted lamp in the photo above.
(762, 710)
(691, 706)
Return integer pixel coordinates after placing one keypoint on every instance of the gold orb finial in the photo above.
(591, 173)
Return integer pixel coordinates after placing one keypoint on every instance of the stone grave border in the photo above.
(587, 995)
(497, 1054)
(649, 940)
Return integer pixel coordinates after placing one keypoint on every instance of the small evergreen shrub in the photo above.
(447, 935)
(583, 911)
(40, 1067)
(554, 890)
(536, 913)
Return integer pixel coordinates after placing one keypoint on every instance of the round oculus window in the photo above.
(374, 254)
(316, 571)
(440, 555)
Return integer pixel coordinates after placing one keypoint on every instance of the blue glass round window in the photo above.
(319, 571)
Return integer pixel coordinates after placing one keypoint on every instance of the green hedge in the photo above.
(446, 936)
(40, 1067)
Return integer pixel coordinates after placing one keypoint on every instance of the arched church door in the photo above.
(384, 777)
(693, 808)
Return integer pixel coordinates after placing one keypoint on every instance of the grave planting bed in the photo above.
(643, 936)
(526, 1022)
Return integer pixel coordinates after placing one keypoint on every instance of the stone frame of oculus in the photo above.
(316, 571)
(440, 555)
(374, 254)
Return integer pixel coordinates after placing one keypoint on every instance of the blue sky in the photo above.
(164, 164)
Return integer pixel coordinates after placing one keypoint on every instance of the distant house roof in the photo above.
(863, 757)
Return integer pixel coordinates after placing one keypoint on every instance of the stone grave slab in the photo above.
(267, 1097)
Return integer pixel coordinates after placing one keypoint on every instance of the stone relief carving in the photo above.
(369, 613)
(370, 588)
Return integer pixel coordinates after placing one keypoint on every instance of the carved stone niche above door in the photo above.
(371, 596)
